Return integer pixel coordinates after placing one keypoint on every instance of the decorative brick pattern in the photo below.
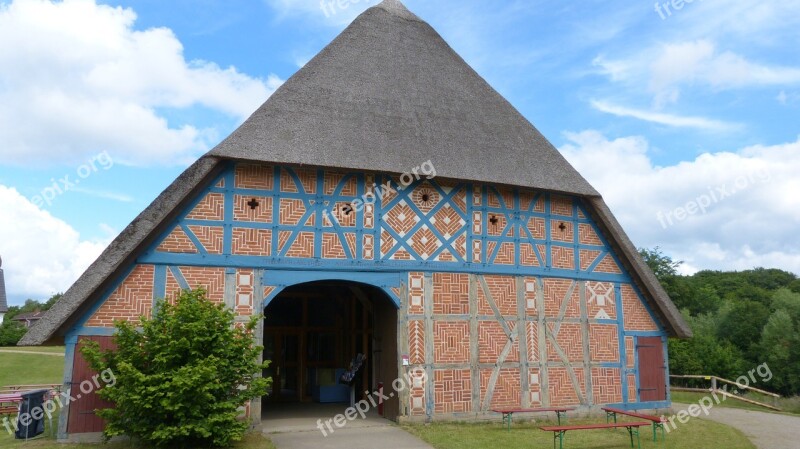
(332, 247)
(245, 300)
(210, 278)
(416, 293)
(334, 180)
(243, 212)
(211, 207)
(425, 197)
(588, 256)
(448, 221)
(368, 247)
(506, 392)
(607, 265)
(535, 387)
(606, 385)
(254, 176)
(491, 341)
(451, 341)
(452, 390)
(291, 211)
(601, 300)
(416, 342)
(636, 316)
(530, 287)
(424, 242)
(450, 294)
(303, 246)
(631, 388)
(251, 242)
(527, 256)
(560, 386)
(532, 334)
(603, 342)
(307, 177)
(570, 340)
(587, 235)
(177, 242)
(555, 291)
(401, 218)
(417, 399)
(558, 235)
(503, 290)
(563, 257)
(560, 205)
(130, 300)
(630, 354)
(210, 237)
(505, 255)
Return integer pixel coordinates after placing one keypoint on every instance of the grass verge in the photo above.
(787, 405)
(696, 434)
(29, 369)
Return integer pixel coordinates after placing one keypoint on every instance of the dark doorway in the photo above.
(312, 332)
(652, 369)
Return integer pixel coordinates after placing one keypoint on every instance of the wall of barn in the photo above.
(507, 297)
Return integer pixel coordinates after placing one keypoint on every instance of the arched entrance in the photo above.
(313, 330)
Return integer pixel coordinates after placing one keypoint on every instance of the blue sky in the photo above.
(662, 112)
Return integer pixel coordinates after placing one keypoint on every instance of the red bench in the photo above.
(560, 431)
(658, 422)
(508, 413)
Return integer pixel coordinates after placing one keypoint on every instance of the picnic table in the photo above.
(658, 422)
(508, 413)
(560, 431)
(9, 403)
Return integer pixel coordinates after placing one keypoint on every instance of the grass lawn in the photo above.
(30, 369)
(695, 434)
(787, 405)
(52, 349)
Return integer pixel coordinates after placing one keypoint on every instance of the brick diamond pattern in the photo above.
(491, 341)
(130, 300)
(254, 176)
(452, 390)
(587, 235)
(450, 294)
(636, 316)
(606, 385)
(210, 237)
(251, 242)
(401, 218)
(560, 205)
(607, 265)
(555, 291)
(211, 207)
(448, 221)
(243, 212)
(424, 242)
(416, 342)
(506, 392)
(387, 243)
(563, 257)
(303, 246)
(560, 386)
(503, 290)
(177, 242)
(291, 211)
(451, 342)
(603, 343)
(570, 340)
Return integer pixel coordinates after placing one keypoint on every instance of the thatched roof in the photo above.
(386, 95)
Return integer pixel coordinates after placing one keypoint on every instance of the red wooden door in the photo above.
(652, 369)
(82, 418)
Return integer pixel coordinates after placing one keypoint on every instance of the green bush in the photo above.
(181, 378)
(11, 332)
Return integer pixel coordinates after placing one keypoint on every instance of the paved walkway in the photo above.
(765, 430)
(295, 426)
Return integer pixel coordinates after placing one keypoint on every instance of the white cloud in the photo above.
(702, 123)
(334, 12)
(42, 255)
(84, 74)
(752, 215)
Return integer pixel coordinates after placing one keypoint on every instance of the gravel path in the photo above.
(765, 430)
